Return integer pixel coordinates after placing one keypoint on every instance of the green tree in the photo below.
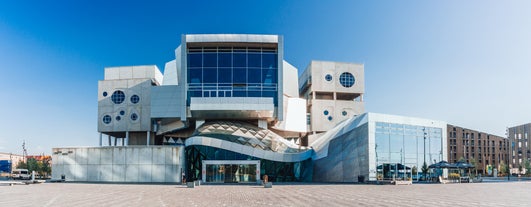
(46, 168)
(424, 170)
(527, 167)
(21, 165)
(474, 164)
(503, 169)
(33, 165)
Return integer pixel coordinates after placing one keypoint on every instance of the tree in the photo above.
(503, 168)
(527, 167)
(474, 163)
(424, 170)
(21, 165)
(46, 168)
(32, 165)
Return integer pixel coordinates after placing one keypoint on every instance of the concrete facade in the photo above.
(331, 98)
(119, 164)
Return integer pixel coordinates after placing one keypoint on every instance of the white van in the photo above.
(22, 174)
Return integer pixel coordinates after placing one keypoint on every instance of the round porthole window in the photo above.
(344, 113)
(134, 116)
(118, 118)
(328, 77)
(122, 112)
(135, 99)
(107, 119)
(325, 112)
(105, 94)
(118, 97)
(329, 118)
(346, 79)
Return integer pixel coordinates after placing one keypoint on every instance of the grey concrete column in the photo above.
(109, 137)
(100, 139)
(148, 137)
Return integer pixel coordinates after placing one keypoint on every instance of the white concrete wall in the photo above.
(119, 164)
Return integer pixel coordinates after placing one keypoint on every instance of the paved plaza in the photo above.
(78, 194)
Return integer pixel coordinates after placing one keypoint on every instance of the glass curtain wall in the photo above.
(232, 72)
(276, 171)
(401, 150)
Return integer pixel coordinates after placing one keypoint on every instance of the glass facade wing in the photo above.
(232, 72)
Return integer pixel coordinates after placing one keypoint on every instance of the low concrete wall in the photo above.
(119, 164)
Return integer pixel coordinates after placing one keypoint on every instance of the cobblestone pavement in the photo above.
(77, 194)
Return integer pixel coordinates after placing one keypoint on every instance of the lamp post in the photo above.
(424, 133)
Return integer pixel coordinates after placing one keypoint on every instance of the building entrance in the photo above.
(231, 171)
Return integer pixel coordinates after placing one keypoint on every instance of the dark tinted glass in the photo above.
(254, 60)
(269, 61)
(225, 59)
(254, 76)
(225, 75)
(210, 75)
(240, 75)
(269, 76)
(195, 76)
(210, 60)
(195, 60)
(240, 60)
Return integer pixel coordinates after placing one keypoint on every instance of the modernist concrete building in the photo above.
(520, 147)
(228, 109)
(333, 93)
(486, 150)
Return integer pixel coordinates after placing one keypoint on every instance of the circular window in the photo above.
(107, 119)
(328, 77)
(134, 117)
(329, 118)
(344, 113)
(346, 79)
(122, 112)
(105, 94)
(135, 99)
(118, 97)
(325, 112)
(118, 118)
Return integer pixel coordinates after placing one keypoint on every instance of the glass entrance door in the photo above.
(231, 172)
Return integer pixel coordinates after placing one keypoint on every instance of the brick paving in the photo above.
(81, 194)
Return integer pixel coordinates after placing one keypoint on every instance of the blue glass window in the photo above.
(328, 77)
(107, 119)
(105, 94)
(346, 79)
(134, 116)
(225, 75)
(232, 72)
(269, 60)
(210, 75)
(240, 75)
(329, 118)
(118, 118)
(240, 60)
(118, 97)
(135, 99)
(344, 113)
(195, 60)
(122, 112)
(195, 76)
(225, 59)
(325, 112)
(210, 60)
(254, 76)
(254, 60)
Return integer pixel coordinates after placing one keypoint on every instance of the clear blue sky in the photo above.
(464, 62)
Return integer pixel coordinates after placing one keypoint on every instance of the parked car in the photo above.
(22, 174)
